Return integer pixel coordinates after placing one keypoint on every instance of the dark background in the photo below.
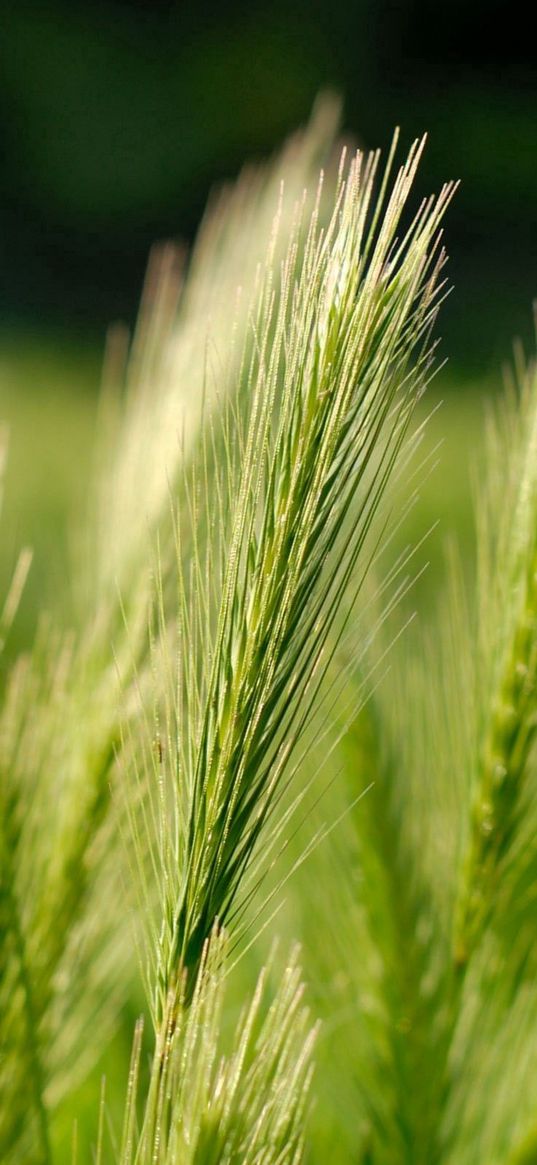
(117, 118)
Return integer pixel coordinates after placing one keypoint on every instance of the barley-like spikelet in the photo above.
(508, 673)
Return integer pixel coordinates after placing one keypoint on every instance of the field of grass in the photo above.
(252, 697)
(49, 405)
(50, 390)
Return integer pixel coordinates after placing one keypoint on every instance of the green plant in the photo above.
(160, 762)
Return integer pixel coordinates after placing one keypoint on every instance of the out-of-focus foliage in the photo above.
(118, 115)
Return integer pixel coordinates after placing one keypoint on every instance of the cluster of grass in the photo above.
(235, 730)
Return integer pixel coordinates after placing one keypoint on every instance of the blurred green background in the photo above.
(117, 118)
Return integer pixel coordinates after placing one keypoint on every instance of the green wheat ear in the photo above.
(275, 527)
(508, 664)
(336, 355)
